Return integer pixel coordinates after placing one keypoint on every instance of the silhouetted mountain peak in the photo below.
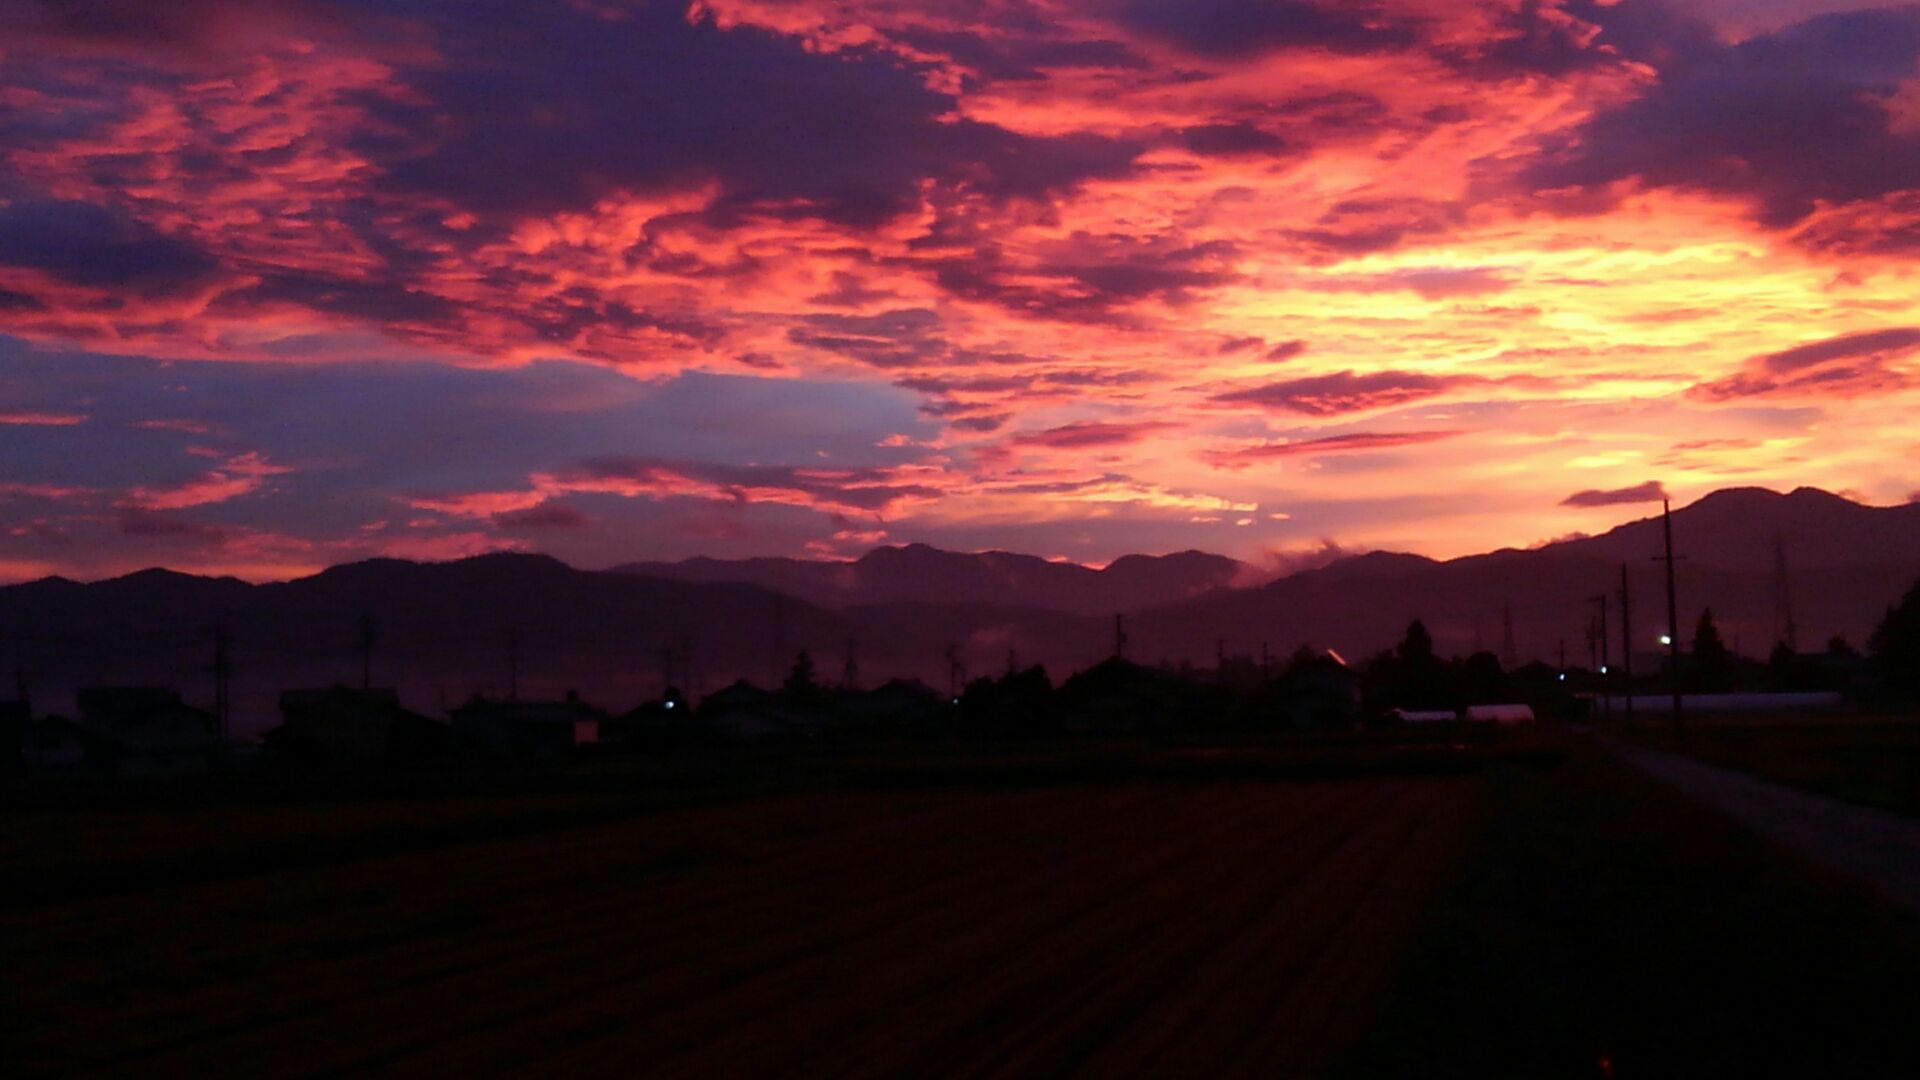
(1372, 565)
(1817, 496)
(1751, 527)
(160, 574)
(515, 561)
(1189, 557)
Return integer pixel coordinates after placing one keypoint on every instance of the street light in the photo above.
(1666, 639)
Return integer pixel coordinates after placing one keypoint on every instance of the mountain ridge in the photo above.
(443, 628)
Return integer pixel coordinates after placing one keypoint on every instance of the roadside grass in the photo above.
(1600, 924)
(1872, 762)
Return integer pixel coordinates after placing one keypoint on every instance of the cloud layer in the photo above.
(640, 278)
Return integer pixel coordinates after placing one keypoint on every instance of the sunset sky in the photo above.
(286, 283)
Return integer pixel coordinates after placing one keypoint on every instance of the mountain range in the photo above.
(442, 631)
(917, 573)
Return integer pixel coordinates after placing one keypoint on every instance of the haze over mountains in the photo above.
(917, 573)
(443, 628)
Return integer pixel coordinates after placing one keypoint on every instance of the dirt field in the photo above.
(1224, 928)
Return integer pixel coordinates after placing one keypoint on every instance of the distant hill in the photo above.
(442, 632)
(917, 573)
(1739, 529)
(442, 629)
(1844, 562)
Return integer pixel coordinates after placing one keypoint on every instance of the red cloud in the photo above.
(239, 476)
(864, 491)
(1090, 433)
(1331, 444)
(1845, 366)
(547, 515)
(1343, 392)
(42, 419)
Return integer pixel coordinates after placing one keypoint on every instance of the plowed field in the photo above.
(1168, 929)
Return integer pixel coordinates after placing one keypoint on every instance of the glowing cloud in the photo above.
(626, 279)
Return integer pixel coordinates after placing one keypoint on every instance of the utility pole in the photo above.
(1782, 596)
(1013, 662)
(956, 673)
(1606, 707)
(850, 674)
(366, 650)
(1626, 644)
(222, 680)
(780, 657)
(1120, 636)
(666, 671)
(513, 664)
(1508, 657)
(1673, 615)
(688, 670)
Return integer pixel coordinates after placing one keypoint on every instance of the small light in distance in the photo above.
(1603, 669)
(669, 704)
(1666, 639)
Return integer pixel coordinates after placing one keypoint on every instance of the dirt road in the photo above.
(1877, 847)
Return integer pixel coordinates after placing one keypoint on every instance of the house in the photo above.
(150, 731)
(530, 729)
(16, 718)
(1322, 691)
(56, 744)
(744, 711)
(665, 722)
(1423, 716)
(341, 726)
(900, 705)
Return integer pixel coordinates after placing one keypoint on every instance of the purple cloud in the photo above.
(1651, 491)
(1342, 392)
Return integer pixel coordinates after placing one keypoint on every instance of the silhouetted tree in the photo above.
(1017, 703)
(1417, 646)
(801, 687)
(1410, 676)
(1482, 681)
(1895, 645)
(1785, 669)
(1710, 666)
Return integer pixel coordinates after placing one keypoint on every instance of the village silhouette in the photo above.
(153, 732)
